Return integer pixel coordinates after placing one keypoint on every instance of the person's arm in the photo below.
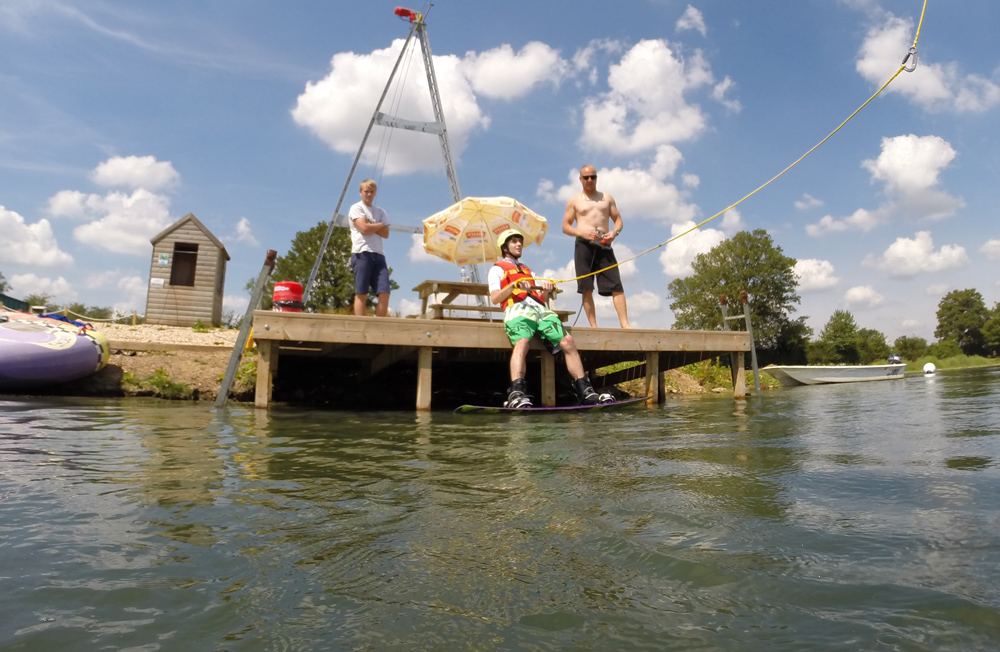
(616, 218)
(368, 228)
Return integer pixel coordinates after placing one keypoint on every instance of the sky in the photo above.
(119, 118)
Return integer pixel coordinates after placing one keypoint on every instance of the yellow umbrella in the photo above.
(465, 233)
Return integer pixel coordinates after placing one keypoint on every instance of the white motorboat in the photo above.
(791, 375)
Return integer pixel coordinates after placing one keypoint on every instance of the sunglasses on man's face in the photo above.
(588, 177)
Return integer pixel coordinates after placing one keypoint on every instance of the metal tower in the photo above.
(418, 28)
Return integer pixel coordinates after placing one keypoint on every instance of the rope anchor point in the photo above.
(911, 56)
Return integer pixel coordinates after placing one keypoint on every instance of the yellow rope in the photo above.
(761, 187)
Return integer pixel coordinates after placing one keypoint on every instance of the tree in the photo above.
(841, 335)
(991, 331)
(911, 348)
(961, 316)
(3, 283)
(81, 311)
(333, 287)
(748, 261)
(38, 299)
(872, 346)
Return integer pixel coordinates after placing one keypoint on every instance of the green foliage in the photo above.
(749, 261)
(3, 283)
(159, 385)
(958, 361)
(841, 333)
(910, 348)
(38, 299)
(199, 327)
(991, 331)
(944, 349)
(872, 346)
(961, 317)
(93, 312)
(334, 284)
(822, 352)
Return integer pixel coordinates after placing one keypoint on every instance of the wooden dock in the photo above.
(383, 342)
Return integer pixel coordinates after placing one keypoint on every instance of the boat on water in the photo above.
(38, 351)
(792, 375)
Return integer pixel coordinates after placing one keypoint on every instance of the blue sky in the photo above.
(118, 118)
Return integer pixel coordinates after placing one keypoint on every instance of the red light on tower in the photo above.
(403, 12)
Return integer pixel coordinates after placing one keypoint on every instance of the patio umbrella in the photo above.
(465, 233)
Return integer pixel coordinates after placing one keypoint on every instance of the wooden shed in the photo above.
(186, 276)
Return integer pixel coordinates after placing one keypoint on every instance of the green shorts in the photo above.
(524, 320)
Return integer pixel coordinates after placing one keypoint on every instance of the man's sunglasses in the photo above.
(588, 176)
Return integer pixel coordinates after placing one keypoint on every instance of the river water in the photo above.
(861, 517)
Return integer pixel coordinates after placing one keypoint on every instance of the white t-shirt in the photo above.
(495, 276)
(373, 241)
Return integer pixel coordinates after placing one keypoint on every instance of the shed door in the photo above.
(185, 262)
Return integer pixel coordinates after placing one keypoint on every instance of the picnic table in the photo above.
(455, 289)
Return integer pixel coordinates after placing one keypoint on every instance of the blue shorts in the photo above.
(370, 272)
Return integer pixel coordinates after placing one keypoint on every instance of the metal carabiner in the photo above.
(912, 54)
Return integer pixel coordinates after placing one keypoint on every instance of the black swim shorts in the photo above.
(591, 257)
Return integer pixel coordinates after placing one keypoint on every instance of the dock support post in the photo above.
(739, 378)
(548, 380)
(652, 380)
(266, 366)
(425, 356)
(661, 387)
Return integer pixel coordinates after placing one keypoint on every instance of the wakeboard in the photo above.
(600, 407)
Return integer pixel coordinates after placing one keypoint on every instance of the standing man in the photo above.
(591, 212)
(525, 316)
(369, 226)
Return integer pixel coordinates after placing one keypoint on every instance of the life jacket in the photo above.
(512, 273)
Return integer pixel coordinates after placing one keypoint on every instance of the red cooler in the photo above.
(287, 296)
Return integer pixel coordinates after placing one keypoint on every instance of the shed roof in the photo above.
(193, 220)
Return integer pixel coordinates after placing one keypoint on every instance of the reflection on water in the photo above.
(827, 517)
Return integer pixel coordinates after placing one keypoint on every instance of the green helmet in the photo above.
(507, 235)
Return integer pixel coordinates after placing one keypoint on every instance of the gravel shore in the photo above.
(150, 333)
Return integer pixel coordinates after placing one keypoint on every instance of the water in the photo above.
(818, 518)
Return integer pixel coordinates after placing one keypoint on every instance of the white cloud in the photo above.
(236, 304)
(719, 95)
(911, 324)
(732, 222)
(991, 249)
(692, 19)
(338, 107)
(910, 167)
(815, 274)
(863, 295)
(933, 86)
(244, 233)
(677, 257)
(29, 244)
(122, 223)
(937, 289)
(59, 289)
(501, 73)
(908, 257)
(637, 305)
(638, 193)
(134, 289)
(911, 163)
(407, 307)
(691, 180)
(646, 106)
(807, 202)
(136, 172)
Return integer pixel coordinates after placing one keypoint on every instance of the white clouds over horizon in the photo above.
(908, 257)
(136, 172)
(29, 244)
(910, 167)
(864, 296)
(814, 274)
(935, 87)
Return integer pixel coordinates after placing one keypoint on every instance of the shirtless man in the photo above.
(591, 211)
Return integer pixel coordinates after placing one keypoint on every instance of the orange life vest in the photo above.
(512, 273)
